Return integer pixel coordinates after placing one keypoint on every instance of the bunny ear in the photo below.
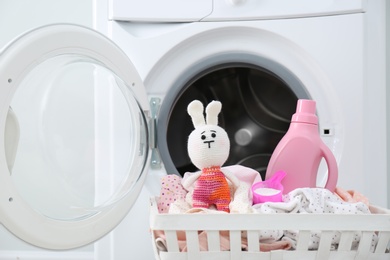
(195, 110)
(212, 111)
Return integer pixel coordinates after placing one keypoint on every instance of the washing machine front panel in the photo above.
(75, 146)
(301, 51)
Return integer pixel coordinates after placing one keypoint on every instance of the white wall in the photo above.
(388, 95)
(16, 17)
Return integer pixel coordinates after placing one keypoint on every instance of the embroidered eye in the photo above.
(203, 137)
(213, 135)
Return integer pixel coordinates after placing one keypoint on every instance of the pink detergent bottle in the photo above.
(300, 151)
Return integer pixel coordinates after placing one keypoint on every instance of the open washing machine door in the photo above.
(74, 136)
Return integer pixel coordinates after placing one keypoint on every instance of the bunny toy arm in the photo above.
(188, 182)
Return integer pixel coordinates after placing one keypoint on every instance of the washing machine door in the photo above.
(73, 136)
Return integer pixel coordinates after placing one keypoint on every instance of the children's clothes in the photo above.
(171, 191)
(175, 199)
(315, 200)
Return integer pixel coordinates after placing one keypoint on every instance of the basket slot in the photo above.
(253, 241)
(383, 242)
(213, 241)
(303, 240)
(364, 245)
(325, 245)
(172, 243)
(346, 239)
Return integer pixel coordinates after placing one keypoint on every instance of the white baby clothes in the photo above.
(312, 200)
(315, 200)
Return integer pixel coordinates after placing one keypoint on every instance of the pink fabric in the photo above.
(171, 190)
(351, 196)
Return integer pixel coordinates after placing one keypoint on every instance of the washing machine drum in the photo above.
(75, 147)
(257, 106)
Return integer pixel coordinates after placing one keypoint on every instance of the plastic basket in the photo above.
(235, 224)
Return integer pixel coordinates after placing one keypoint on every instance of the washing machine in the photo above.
(92, 119)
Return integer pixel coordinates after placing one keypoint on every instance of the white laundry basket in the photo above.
(235, 224)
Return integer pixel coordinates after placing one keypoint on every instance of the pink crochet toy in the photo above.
(208, 149)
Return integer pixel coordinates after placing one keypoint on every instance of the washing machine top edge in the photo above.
(229, 10)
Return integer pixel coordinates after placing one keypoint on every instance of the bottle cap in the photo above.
(306, 112)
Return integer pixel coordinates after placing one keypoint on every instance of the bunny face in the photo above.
(208, 146)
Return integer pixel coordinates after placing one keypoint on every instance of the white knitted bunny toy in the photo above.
(208, 148)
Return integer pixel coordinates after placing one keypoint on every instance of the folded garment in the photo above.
(312, 200)
(315, 200)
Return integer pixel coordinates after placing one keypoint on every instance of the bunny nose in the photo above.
(208, 142)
